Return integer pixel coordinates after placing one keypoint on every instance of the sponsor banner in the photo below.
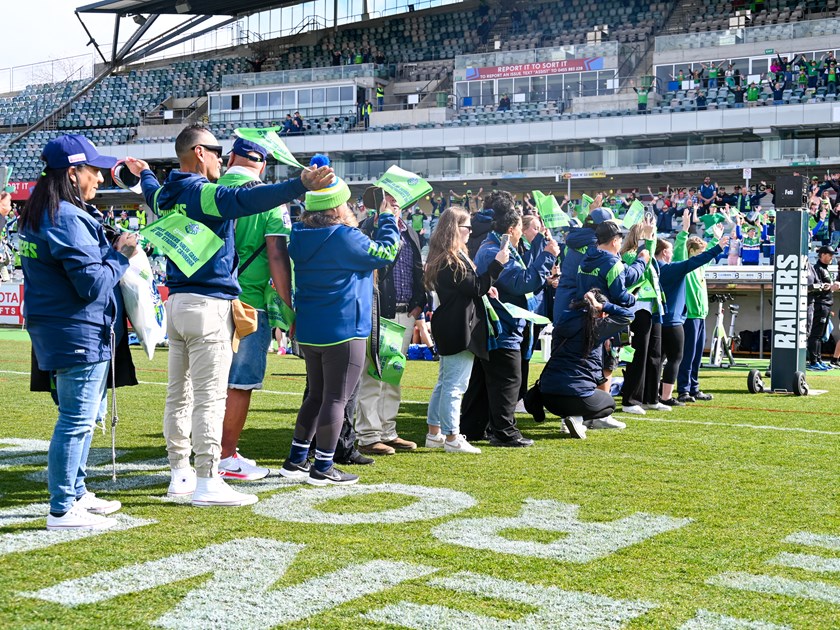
(21, 190)
(535, 69)
(11, 304)
(585, 175)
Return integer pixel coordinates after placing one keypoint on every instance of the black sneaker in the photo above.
(300, 472)
(534, 405)
(332, 477)
(672, 402)
(686, 398)
(702, 396)
(835, 361)
(358, 459)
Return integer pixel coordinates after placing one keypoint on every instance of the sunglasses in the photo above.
(214, 148)
(466, 227)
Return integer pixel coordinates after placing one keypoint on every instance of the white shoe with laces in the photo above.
(215, 492)
(79, 518)
(93, 504)
(459, 445)
(435, 441)
(182, 483)
(575, 426)
(241, 468)
(604, 423)
(657, 407)
(634, 409)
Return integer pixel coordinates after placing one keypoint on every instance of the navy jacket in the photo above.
(605, 271)
(480, 229)
(672, 282)
(570, 372)
(71, 283)
(578, 242)
(216, 207)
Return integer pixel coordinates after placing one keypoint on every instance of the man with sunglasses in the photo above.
(200, 323)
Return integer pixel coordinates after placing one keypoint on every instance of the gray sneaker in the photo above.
(332, 477)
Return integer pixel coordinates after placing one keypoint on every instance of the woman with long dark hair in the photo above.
(459, 324)
(568, 386)
(74, 314)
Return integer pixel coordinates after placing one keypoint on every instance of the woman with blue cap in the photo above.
(74, 314)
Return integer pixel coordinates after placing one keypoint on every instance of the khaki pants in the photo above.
(200, 329)
(379, 403)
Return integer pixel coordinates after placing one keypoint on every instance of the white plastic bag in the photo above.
(143, 304)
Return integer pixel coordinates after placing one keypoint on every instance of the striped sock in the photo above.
(299, 451)
(323, 460)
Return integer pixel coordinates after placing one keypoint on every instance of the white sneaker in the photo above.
(242, 468)
(95, 505)
(657, 407)
(575, 426)
(182, 482)
(605, 423)
(520, 407)
(435, 441)
(215, 492)
(459, 445)
(79, 518)
(634, 409)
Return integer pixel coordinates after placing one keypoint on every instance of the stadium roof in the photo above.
(183, 7)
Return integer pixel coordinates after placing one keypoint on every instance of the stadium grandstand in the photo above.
(529, 93)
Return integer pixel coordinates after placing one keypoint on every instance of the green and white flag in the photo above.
(635, 213)
(187, 243)
(404, 186)
(583, 209)
(5, 177)
(710, 220)
(550, 212)
(517, 312)
(268, 139)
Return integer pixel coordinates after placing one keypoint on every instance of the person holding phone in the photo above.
(460, 324)
(491, 397)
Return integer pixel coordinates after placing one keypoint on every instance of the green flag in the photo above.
(635, 214)
(5, 177)
(550, 212)
(585, 202)
(268, 139)
(403, 186)
(187, 243)
(518, 312)
(710, 220)
(391, 358)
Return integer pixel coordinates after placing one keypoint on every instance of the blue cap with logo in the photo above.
(246, 147)
(74, 150)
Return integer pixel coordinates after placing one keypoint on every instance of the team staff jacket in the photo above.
(334, 279)
(514, 284)
(460, 322)
(71, 277)
(216, 207)
(387, 288)
(672, 279)
(570, 371)
(578, 242)
(604, 271)
(818, 275)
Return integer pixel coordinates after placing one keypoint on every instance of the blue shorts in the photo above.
(248, 367)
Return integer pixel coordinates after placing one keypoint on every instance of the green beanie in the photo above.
(327, 198)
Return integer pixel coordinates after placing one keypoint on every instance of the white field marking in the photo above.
(22, 452)
(99, 465)
(556, 608)
(236, 603)
(705, 620)
(806, 561)
(96, 456)
(826, 541)
(23, 514)
(299, 506)
(760, 427)
(222, 560)
(586, 541)
(130, 482)
(41, 538)
(806, 589)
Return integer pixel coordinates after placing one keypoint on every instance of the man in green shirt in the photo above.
(263, 257)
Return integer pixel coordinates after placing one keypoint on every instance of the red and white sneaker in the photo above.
(241, 468)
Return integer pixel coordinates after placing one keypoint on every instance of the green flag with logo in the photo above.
(583, 209)
(635, 213)
(710, 220)
(5, 177)
(404, 186)
(268, 139)
(550, 212)
(187, 243)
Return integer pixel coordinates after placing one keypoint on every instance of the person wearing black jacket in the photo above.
(402, 297)
(820, 287)
(459, 324)
(482, 220)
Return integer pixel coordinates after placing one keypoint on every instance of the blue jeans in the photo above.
(445, 403)
(695, 341)
(247, 370)
(81, 392)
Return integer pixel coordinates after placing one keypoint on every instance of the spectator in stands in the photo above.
(401, 298)
(700, 100)
(297, 121)
(707, 193)
(6, 208)
(504, 104)
(468, 200)
(74, 315)
(438, 204)
(515, 21)
(482, 221)
(778, 89)
(484, 29)
(460, 324)
(263, 261)
(738, 94)
(336, 57)
(642, 95)
(380, 96)
(831, 77)
(288, 126)
(200, 323)
(713, 74)
(750, 242)
(753, 92)
(367, 108)
(379, 58)
(417, 221)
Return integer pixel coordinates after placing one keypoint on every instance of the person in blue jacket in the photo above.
(74, 315)
(568, 385)
(334, 264)
(502, 372)
(200, 322)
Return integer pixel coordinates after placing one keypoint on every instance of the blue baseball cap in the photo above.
(246, 147)
(74, 150)
(599, 215)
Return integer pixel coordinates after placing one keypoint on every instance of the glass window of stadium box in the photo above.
(275, 104)
(798, 145)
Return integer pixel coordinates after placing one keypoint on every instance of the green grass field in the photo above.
(742, 497)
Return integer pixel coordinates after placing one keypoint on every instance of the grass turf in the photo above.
(749, 470)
